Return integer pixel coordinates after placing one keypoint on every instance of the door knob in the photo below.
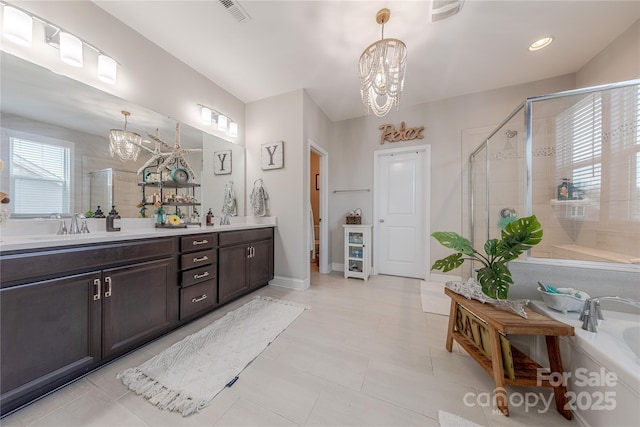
(381, 220)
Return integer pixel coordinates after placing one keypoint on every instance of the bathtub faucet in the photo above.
(591, 311)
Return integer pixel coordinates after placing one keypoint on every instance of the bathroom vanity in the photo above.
(68, 306)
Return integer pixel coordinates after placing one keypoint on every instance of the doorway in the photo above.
(401, 211)
(319, 205)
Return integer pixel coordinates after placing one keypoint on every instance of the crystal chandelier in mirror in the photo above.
(382, 68)
(124, 143)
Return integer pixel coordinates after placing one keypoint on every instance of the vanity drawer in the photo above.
(245, 236)
(198, 298)
(198, 242)
(197, 259)
(197, 275)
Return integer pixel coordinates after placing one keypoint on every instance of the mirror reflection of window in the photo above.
(40, 175)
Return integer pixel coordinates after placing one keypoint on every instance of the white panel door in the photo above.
(400, 206)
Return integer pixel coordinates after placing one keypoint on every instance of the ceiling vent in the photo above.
(443, 9)
(234, 8)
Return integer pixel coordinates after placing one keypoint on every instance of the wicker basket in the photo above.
(354, 219)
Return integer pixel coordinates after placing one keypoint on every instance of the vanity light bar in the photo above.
(17, 26)
(223, 122)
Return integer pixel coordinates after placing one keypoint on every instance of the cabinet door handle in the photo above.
(96, 294)
(199, 242)
(253, 251)
(248, 251)
(200, 276)
(204, 258)
(200, 298)
(107, 293)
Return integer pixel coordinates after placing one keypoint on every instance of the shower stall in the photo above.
(573, 160)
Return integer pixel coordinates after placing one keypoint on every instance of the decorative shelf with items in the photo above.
(357, 251)
(170, 208)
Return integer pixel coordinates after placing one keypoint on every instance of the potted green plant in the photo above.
(494, 277)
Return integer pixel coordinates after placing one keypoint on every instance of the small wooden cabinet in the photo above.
(245, 261)
(357, 251)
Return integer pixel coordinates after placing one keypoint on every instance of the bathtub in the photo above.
(603, 368)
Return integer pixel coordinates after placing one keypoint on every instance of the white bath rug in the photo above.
(447, 419)
(188, 375)
(433, 298)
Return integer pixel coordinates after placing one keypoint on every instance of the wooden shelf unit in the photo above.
(500, 322)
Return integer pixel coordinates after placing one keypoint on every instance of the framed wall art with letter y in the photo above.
(222, 162)
(272, 155)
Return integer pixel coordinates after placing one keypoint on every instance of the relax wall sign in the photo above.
(389, 133)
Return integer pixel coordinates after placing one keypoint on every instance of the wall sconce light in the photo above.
(17, 26)
(207, 115)
(71, 49)
(233, 129)
(222, 122)
(107, 69)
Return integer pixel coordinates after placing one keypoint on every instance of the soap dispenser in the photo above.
(98, 213)
(113, 220)
(209, 218)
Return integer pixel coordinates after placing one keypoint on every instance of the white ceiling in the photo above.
(315, 45)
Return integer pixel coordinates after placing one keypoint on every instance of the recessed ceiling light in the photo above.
(540, 44)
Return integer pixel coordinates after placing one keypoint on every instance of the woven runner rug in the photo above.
(188, 375)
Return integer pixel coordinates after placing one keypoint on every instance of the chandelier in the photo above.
(124, 143)
(382, 68)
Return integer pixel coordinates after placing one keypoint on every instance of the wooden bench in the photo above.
(523, 371)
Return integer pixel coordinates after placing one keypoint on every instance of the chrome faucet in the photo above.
(225, 220)
(74, 228)
(591, 312)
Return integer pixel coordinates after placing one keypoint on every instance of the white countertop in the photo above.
(16, 235)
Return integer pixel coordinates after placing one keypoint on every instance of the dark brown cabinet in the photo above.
(65, 311)
(245, 262)
(50, 333)
(198, 274)
(136, 305)
(53, 329)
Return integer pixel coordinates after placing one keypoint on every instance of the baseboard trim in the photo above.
(289, 283)
(337, 266)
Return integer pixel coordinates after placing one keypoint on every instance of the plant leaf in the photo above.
(495, 280)
(519, 236)
(448, 263)
(454, 241)
(491, 246)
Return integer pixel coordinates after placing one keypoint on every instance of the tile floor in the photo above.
(365, 354)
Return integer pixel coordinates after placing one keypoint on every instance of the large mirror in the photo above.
(40, 106)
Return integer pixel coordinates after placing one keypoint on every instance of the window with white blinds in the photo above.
(579, 149)
(598, 148)
(40, 177)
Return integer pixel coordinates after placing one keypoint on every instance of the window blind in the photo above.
(40, 178)
(579, 149)
(598, 148)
